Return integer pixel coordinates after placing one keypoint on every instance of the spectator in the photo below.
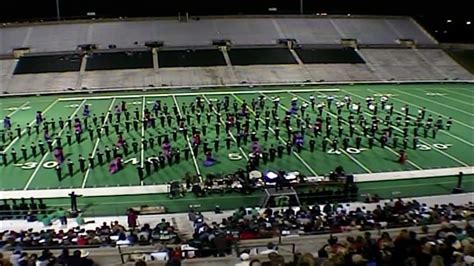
(132, 238)
(276, 259)
(63, 259)
(220, 244)
(15, 257)
(80, 220)
(30, 217)
(306, 259)
(132, 218)
(144, 235)
(117, 228)
(173, 262)
(437, 261)
(332, 248)
(140, 263)
(385, 241)
(46, 258)
(244, 260)
(79, 258)
(469, 254)
(62, 216)
(23, 260)
(82, 239)
(4, 261)
(358, 259)
(33, 260)
(191, 215)
(162, 225)
(122, 239)
(105, 228)
(255, 262)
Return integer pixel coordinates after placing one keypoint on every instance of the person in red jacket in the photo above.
(403, 157)
(132, 218)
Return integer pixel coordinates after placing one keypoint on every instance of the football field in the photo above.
(443, 149)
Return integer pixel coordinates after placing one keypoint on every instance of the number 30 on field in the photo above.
(33, 165)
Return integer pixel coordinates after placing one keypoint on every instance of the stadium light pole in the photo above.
(58, 16)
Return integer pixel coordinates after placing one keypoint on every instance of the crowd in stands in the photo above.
(104, 235)
(21, 258)
(449, 244)
(251, 223)
(210, 239)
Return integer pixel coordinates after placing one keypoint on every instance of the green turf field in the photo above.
(453, 148)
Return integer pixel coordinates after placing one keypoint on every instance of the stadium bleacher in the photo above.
(218, 233)
(258, 35)
(240, 31)
(254, 55)
(191, 58)
(262, 56)
(48, 63)
(329, 56)
(119, 60)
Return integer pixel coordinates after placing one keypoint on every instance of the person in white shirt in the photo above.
(245, 260)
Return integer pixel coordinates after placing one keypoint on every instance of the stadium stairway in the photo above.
(184, 227)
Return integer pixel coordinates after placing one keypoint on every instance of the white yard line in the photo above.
(230, 133)
(94, 150)
(30, 124)
(250, 91)
(422, 141)
(442, 131)
(198, 171)
(18, 109)
(458, 93)
(447, 97)
(40, 164)
(458, 138)
(345, 122)
(438, 103)
(142, 152)
(271, 129)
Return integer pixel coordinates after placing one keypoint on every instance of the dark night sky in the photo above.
(433, 14)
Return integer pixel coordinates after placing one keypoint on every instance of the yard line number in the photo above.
(134, 161)
(421, 147)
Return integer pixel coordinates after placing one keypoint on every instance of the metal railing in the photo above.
(240, 248)
(144, 89)
(185, 254)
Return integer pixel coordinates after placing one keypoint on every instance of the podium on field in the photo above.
(281, 197)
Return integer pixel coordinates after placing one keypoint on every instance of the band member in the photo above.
(7, 123)
(59, 155)
(39, 118)
(86, 112)
(403, 157)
